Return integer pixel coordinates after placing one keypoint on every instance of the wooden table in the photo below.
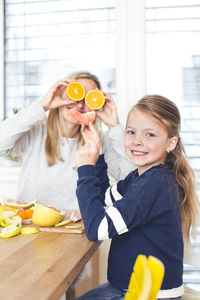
(42, 266)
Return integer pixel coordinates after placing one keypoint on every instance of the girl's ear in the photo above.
(172, 143)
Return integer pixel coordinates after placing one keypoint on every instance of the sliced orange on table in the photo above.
(75, 91)
(95, 99)
(26, 214)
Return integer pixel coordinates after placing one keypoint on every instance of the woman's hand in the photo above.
(52, 99)
(108, 114)
(89, 153)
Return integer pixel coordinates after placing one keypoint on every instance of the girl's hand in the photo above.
(52, 99)
(108, 114)
(89, 153)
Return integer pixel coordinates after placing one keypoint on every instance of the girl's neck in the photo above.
(142, 170)
(69, 130)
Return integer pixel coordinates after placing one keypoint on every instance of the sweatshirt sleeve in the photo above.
(98, 172)
(119, 165)
(93, 202)
(15, 131)
(101, 173)
(130, 204)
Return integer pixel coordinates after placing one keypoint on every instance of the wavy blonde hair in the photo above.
(166, 112)
(52, 144)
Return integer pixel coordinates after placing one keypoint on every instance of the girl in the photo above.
(47, 146)
(144, 212)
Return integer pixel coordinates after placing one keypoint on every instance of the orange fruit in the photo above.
(75, 91)
(94, 99)
(82, 118)
(26, 214)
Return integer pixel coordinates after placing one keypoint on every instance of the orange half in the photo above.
(95, 99)
(75, 91)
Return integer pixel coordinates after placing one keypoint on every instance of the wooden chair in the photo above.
(146, 278)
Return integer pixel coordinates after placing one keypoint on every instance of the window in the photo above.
(173, 70)
(46, 40)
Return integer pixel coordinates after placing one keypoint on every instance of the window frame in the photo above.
(130, 38)
(1, 59)
(131, 57)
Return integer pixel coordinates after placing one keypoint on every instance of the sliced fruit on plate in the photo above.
(6, 208)
(15, 210)
(46, 216)
(73, 227)
(19, 203)
(76, 216)
(8, 218)
(26, 214)
(2, 209)
(29, 230)
(63, 223)
(10, 231)
(27, 222)
(81, 118)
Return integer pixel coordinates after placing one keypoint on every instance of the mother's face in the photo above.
(80, 106)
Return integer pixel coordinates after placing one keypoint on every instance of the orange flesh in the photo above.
(26, 214)
(75, 91)
(95, 99)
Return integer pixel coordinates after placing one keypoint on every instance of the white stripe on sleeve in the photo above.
(117, 196)
(117, 219)
(108, 200)
(103, 230)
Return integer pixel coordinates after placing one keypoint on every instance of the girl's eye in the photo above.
(150, 134)
(130, 132)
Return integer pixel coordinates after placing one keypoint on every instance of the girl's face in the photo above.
(146, 141)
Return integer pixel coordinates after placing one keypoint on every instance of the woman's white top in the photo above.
(25, 133)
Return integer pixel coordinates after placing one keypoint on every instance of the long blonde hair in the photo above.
(52, 144)
(168, 114)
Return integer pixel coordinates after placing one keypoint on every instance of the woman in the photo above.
(47, 146)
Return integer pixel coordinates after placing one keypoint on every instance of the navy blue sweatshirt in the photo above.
(141, 216)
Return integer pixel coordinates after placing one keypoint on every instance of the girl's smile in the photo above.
(138, 153)
(146, 141)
